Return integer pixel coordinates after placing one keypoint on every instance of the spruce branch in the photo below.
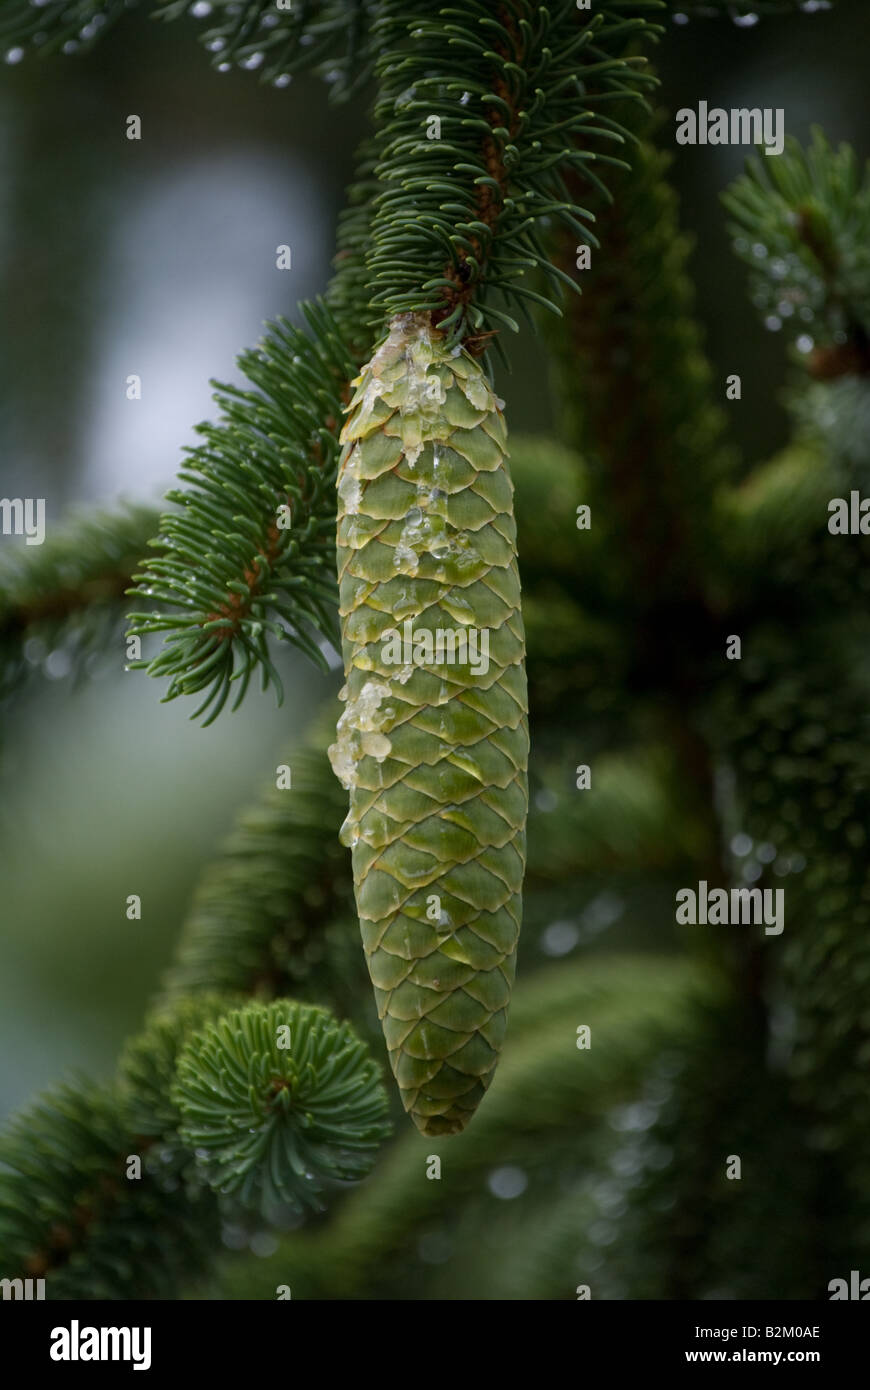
(68, 26)
(67, 594)
(803, 229)
(146, 1073)
(370, 1245)
(199, 1079)
(802, 224)
(834, 416)
(277, 1099)
(332, 38)
(261, 510)
(329, 37)
(517, 97)
(251, 552)
(70, 1214)
(780, 555)
(229, 576)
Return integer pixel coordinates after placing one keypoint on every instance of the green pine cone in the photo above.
(433, 742)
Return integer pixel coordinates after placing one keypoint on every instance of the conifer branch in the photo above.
(251, 552)
(575, 648)
(68, 592)
(77, 1211)
(348, 294)
(629, 820)
(229, 578)
(368, 1245)
(803, 229)
(275, 1100)
(779, 553)
(639, 407)
(802, 224)
(333, 38)
(329, 37)
(70, 1214)
(834, 416)
(68, 26)
(146, 1074)
(517, 99)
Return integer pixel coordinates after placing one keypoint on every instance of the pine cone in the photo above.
(433, 742)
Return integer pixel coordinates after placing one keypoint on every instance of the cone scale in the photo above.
(433, 741)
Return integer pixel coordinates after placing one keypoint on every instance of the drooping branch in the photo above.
(251, 550)
(329, 37)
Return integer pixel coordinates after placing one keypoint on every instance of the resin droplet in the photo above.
(363, 716)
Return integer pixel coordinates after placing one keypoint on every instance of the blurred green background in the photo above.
(158, 258)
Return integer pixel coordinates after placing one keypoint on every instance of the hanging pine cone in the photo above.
(433, 742)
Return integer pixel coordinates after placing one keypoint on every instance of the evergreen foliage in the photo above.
(66, 596)
(529, 82)
(251, 551)
(801, 222)
(268, 1116)
(701, 1049)
(70, 1214)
